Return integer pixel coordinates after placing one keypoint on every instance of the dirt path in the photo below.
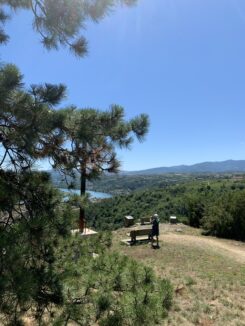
(186, 236)
(233, 249)
(207, 274)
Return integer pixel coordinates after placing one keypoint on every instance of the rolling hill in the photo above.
(205, 167)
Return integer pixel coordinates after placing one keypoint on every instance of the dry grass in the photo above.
(208, 275)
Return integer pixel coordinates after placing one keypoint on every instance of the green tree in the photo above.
(195, 206)
(59, 22)
(91, 138)
(29, 217)
(225, 216)
(28, 121)
(42, 268)
(31, 224)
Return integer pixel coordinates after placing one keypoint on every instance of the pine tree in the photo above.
(92, 137)
(42, 268)
(28, 123)
(29, 222)
(59, 22)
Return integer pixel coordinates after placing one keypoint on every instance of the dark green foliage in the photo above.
(109, 289)
(171, 200)
(30, 225)
(195, 206)
(218, 206)
(3, 36)
(226, 216)
(33, 221)
(29, 127)
(93, 136)
(30, 221)
(90, 140)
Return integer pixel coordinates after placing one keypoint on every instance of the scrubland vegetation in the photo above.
(216, 205)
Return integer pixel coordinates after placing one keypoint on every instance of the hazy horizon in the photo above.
(49, 168)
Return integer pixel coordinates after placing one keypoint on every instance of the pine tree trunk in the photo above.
(82, 220)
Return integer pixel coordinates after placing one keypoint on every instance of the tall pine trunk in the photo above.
(82, 219)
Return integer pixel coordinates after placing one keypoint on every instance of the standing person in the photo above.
(155, 229)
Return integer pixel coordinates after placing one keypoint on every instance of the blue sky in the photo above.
(180, 61)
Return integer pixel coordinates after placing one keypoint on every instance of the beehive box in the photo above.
(173, 220)
(145, 220)
(128, 221)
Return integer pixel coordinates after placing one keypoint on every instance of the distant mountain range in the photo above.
(205, 167)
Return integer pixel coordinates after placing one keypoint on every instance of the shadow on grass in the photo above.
(155, 247)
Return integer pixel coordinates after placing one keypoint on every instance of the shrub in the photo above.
(226, 217)
(110, 289)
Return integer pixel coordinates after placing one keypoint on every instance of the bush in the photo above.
(110, 289)
(226, 217)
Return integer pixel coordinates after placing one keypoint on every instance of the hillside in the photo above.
(205, 167)
(188, 200)
(126, 182)
(208, 274)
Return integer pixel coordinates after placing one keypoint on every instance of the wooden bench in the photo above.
(139, 233)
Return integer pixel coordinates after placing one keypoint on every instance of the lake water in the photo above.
(93, 194)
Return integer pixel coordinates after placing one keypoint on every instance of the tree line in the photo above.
(216, 206)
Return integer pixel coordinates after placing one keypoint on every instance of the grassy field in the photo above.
(208, 274)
